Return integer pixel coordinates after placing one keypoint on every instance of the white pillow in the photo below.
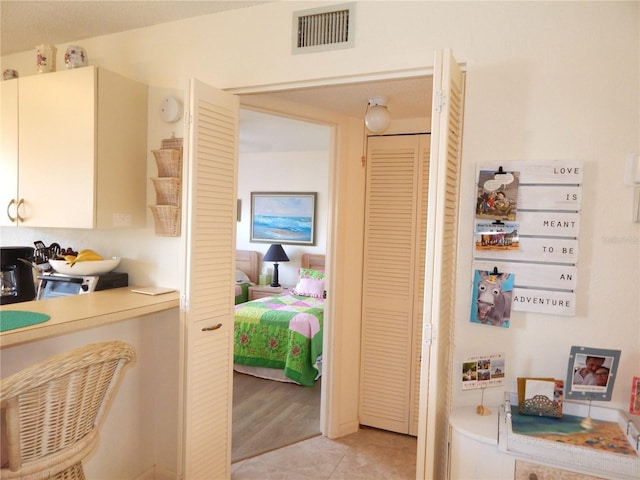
(241, 277)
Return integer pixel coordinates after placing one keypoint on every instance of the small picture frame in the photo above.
(591, 373)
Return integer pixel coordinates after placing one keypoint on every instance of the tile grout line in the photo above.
(347, 452)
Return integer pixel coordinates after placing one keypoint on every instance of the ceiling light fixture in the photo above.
(377, 118)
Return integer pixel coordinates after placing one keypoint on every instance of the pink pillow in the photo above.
(310, 283)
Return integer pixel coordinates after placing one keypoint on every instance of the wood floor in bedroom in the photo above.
(268, 415)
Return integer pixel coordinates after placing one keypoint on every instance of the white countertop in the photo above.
(78, 312)
(481, 428)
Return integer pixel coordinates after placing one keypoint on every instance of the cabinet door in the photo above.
(57, 113)
(121, 152)
(533, 471)
(473, 459)
(209, 243)
(8, 151)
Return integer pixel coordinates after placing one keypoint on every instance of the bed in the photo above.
(246, 274)
(280, 337)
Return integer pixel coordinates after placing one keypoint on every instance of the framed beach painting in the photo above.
(283, 217)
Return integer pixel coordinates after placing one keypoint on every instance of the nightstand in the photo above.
(259, 291)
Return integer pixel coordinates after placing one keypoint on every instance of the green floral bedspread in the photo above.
(283, 332)
(242, 292)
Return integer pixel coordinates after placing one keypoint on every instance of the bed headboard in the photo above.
(313, 260)
(247, 262)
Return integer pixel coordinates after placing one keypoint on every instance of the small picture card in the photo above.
(492, 298)
(480, 371)
(591, 373)
(634, 406)
(497, 195)
(498, 236)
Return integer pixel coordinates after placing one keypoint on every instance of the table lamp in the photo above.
(275, 254)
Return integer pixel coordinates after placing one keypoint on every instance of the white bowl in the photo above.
(90, 267)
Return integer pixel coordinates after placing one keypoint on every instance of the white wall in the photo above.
(546, 80)
(305, 171)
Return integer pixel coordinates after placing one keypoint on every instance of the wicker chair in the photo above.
(52, 410)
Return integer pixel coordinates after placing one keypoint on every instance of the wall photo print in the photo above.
(492, 298)
(497, 195)
(482, 371)
(282, 217)
(497, 236)
(591, 373)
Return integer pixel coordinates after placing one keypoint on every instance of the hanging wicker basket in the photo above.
(169, 161)
(173, 142)
(168, 190)
(167, 220)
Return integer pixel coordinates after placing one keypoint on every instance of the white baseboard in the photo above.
(158, 473)
(346, 429)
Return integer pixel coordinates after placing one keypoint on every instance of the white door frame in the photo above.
(327, 422)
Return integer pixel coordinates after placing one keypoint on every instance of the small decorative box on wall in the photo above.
(168, 187)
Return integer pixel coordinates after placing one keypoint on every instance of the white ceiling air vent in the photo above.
(325, 28)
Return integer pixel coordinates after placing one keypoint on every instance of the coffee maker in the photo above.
(17, 276)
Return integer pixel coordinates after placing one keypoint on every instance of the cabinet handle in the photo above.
(13, 219)
(20, 203)
(215, 327)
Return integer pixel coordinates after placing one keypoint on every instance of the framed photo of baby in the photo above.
(591, 373)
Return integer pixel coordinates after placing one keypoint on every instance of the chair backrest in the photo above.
(52, 409)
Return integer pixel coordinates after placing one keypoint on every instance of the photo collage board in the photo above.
(526, 232)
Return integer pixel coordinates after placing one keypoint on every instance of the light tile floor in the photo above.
(368, 454)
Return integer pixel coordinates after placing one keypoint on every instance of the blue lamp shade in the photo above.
(275, 254)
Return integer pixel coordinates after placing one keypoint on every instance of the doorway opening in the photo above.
(278, 154)
(408, 92)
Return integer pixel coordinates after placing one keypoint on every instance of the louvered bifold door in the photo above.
(442, 241)
(392, 196)
(210, 246)
(418, 295)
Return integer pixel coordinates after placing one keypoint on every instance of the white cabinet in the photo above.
(8, 149)
(476, 454)
(473, 452)
(79, 160)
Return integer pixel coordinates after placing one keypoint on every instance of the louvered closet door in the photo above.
(395, 201)
(210, 243)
